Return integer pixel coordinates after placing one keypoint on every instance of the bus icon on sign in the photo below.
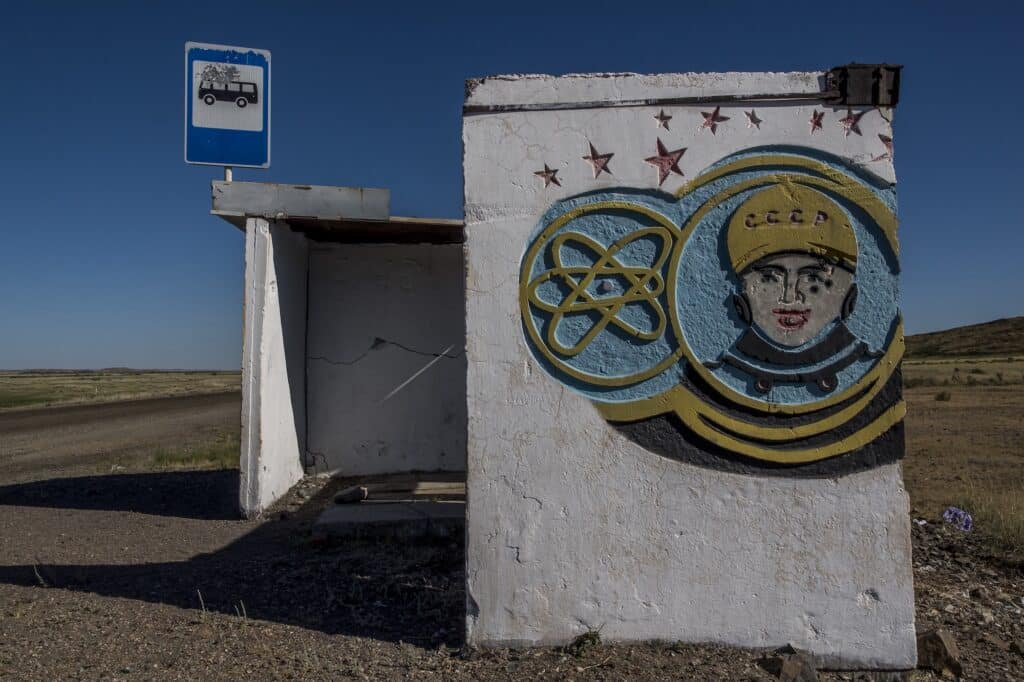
(241, 93)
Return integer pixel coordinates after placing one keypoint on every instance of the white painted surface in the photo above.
(571, 526)
(273, 370)
(378, 314)
(617, 87)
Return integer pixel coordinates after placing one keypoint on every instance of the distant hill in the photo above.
(998, 337)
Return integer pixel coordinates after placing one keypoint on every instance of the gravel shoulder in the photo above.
(101, 577)
(68, 440)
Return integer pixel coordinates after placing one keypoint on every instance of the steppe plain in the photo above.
(122, 557)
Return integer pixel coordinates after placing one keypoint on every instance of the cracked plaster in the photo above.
(605, 534)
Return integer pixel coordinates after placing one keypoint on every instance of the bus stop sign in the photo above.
(227, 105)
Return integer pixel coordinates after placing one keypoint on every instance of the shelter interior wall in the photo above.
(378, 315)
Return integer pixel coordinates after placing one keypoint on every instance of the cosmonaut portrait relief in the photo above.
(748, 322)
(795, 255)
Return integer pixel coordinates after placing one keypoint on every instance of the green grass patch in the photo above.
(12, 399)
(222, 453)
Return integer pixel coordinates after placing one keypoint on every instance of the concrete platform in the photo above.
(394, 520)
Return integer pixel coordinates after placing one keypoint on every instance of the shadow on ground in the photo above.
(390, 590)
(184, 494)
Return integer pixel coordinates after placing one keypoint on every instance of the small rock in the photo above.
(995, 641)
(790, 665)
(1004, 597)
(937, 650)
(798, 668)
(986, 617)
(979, 593)
(949, 608)
(1017, 647)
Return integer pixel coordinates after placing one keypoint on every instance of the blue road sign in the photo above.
(227, 105)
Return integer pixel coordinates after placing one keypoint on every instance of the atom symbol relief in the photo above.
(603, 289)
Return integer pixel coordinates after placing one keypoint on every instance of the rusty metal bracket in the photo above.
(876, 85)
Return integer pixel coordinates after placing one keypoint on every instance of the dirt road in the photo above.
(64, 441)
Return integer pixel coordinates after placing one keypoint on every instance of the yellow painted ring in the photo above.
(841, 185)
(524, 293)
(690, 407)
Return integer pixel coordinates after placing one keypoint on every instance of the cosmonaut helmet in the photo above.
(788, 217)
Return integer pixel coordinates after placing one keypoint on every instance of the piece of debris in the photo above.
(790, 665)
(1017, 647)
(402, 487)
(979, 592)
(937, 651)
(355, 493)
(958, 518)
(996, 641)
(588, 640)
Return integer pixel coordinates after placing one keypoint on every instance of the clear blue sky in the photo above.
(109, 255)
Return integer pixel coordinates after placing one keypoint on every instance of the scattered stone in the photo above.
(949, 608)
(987, 618)
(1017, 647)
(798, 668)
(979, 593)
(996, 641)
(1004, 597)
(583, 642)
(790, 665)
(936, 650)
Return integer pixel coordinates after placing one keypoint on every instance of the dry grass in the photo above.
(221, 453)
(43, 388)
(998, 516)
(995, 371)
(998, 337)
(966, 448)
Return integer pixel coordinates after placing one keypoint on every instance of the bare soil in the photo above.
(972, 442)
(151, 575)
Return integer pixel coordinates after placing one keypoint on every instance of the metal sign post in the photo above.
(227, 106)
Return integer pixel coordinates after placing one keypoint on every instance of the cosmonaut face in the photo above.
(793, 296)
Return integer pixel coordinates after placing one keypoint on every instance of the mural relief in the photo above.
(749, 322)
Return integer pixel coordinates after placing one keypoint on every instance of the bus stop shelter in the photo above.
(353, 357)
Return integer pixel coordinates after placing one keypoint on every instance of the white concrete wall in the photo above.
(573, 527)
(378, 314)
(273, 363)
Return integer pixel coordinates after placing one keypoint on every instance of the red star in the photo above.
(599, 162)
(712, 119)
(752, 120)
(548, 175)
(816, 118)
(850, 122)
(666, 162)
(662, 118)
(887, 143)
